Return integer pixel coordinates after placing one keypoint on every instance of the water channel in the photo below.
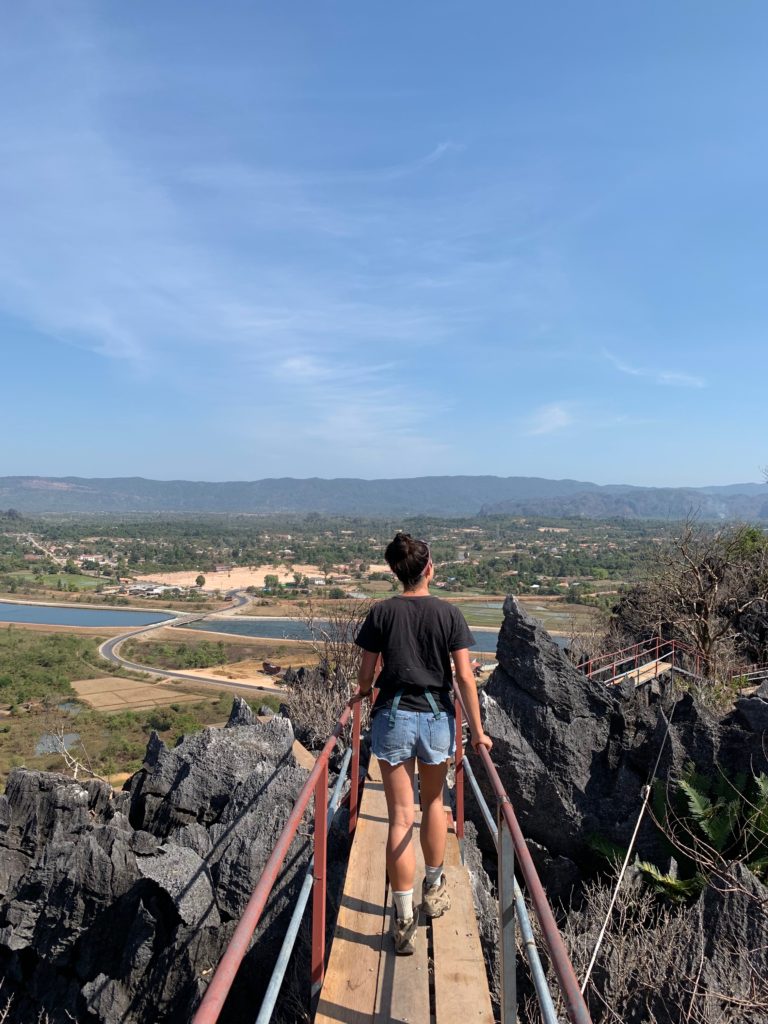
(62, 615)
(266, 628)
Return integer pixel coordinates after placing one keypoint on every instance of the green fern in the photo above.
(759, 867)
(676, 889)
(613, 853)
(699, 805)
(756, 827)
(701, 783)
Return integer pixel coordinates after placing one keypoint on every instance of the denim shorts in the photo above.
(413, 734)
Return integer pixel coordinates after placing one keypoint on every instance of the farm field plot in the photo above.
(53, 579)
(113, 694)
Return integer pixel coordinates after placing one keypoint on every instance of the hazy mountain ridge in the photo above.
(640, 503)
(436, 495)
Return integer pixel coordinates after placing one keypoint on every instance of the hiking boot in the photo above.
(435, 901)
(404, 934)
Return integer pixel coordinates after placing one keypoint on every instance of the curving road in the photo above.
(109, 650)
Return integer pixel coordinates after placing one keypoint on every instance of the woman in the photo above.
(416, 635)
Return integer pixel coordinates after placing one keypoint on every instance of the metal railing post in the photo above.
(289, 939)
(316, 786)
(459, 786)
(507, 921)
(319, 886)
(354, 778)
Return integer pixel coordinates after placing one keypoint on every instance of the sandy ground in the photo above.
(111, 694)
(248, 672)
(240, 577)
(237, 578)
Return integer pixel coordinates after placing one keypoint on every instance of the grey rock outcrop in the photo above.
(730, 951)
(115, 907)
(575, 755)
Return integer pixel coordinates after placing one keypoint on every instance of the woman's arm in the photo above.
(365, 676)
(465, 679)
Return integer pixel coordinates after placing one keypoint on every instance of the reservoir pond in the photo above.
(55, 615)
(292, 629)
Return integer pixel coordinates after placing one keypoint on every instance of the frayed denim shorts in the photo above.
(413, 734)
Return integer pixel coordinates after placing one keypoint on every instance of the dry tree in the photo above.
(316, 697)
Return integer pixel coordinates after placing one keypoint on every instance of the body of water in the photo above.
(55, 615)
(290, 629)
(49, 744)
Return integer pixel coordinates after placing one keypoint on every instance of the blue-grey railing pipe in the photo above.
(286, 950)
(543, 994)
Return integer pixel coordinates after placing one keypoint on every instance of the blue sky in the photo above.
(352, 239)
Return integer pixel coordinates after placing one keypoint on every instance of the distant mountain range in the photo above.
(427, 495)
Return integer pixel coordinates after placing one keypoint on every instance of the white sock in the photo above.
(403, 904)
(433, 875)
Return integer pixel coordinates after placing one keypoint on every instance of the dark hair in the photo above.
(407, 558)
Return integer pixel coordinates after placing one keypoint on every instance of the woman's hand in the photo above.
(358, 697)
(483, 740)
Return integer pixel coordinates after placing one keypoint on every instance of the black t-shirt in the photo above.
(415, 637)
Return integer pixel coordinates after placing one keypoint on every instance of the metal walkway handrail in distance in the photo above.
(316, 785)
(630, 658)
(648, 651)
(510, 844)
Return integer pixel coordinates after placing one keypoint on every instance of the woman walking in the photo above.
(416, 635)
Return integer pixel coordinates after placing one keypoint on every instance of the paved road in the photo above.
(109, 650)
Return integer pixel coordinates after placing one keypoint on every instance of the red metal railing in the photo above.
(317, 786)
(575, 1006)
(752, 673)
(630, 658)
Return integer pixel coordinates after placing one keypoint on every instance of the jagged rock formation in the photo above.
(574, 757)
(116, 907)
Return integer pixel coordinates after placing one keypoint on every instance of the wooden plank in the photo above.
(643, 673)
(403, 990)
(348, 995)
(461, 984)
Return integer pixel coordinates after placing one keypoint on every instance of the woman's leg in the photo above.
(434, 825)
(398, 788)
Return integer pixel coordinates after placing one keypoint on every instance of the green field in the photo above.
(51, 580)
(40, 667)
(112, 743)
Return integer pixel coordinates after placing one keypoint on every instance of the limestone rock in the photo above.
(731, 950)
(181, 873)
(240, 714)
(575, 755)
(195, 780)
(115, 907)
(753, 711)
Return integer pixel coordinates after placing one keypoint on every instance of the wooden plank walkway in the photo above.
(444, 982)
(644, 673)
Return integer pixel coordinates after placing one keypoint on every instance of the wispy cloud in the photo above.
(548, 419)
(666, 378)
(106, 252)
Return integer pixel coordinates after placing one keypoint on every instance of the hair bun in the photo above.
(407, 558)
(404, 542)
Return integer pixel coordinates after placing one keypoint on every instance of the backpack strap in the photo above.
(393, 708)
(432, 703)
